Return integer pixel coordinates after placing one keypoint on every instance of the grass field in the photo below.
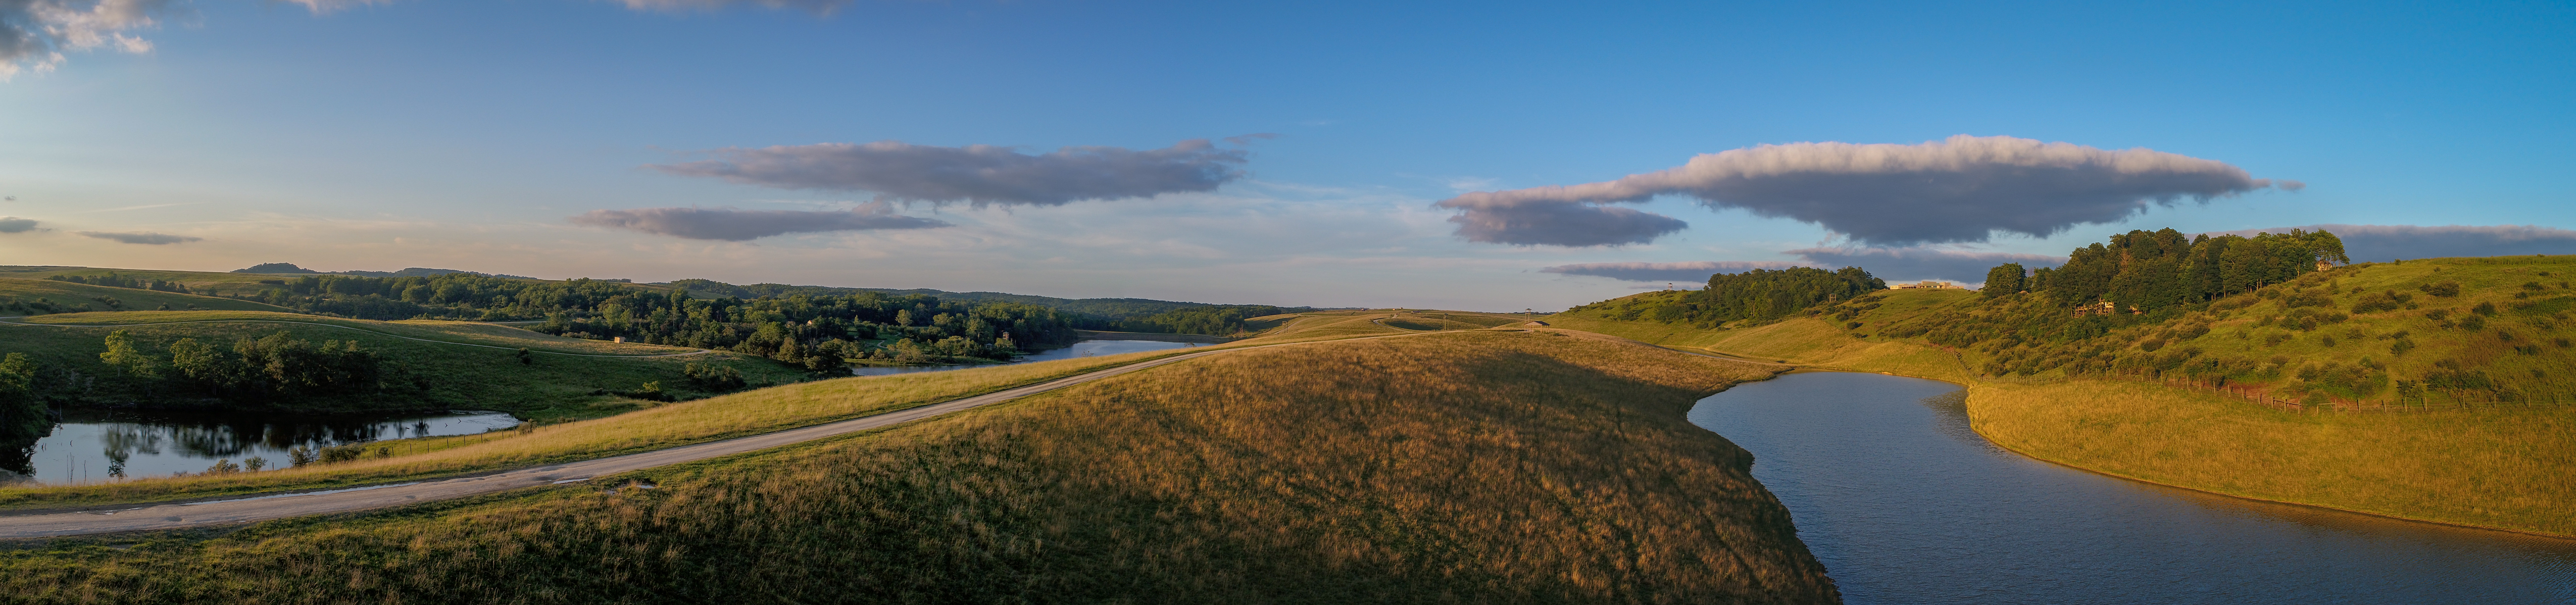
(204, 282)
(553, 387)
(2501, 468)
(95, 298)
(1471, 467)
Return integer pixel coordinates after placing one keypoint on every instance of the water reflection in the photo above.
(1087, 348)
(91, 446)
(1904, 503)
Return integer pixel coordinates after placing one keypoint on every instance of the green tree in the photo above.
(22, 414)
(122, 355)
(2004, 279)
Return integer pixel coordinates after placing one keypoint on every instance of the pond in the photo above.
(91, 446)
(1087, 348)
(1905, 504)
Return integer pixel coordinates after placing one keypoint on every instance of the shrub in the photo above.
(2445, 289)
(343, 453)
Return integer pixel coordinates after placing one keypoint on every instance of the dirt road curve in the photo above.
(262, 508)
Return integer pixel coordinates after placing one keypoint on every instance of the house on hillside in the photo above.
(1928, 285)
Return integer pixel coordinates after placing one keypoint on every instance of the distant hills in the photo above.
(1104, 308)
(1107, 308)
(290, 268)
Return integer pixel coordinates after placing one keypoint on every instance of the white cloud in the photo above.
(35, 33)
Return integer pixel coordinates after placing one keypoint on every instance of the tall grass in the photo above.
(1477, 467)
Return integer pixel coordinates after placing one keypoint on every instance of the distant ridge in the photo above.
(291, 269)
(1110, 308)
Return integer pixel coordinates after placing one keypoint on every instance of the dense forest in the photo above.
(1758, 295)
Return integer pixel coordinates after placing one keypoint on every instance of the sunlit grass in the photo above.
(2494, 468)
(1476, 467)
(128, 299)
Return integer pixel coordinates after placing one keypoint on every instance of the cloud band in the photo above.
(978, 174)
(1961, 189)
(728, 224)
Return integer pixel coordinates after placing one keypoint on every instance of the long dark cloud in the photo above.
(35, 33)
(1563, 225)
(1962, 189)
(142, 237)
(978, 174)
(11, 224)
(1913, 263)
(2389, 242)
(1691, 272)
(738, 225)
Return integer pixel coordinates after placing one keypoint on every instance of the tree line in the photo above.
(2149, 271)
(819, 331)
(273, 368)
(1757, 295)
(115, 280)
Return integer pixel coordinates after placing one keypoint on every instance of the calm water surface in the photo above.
(1085, 348)
(91, 446)
(1905, 504)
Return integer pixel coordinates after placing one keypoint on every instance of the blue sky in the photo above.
(466, 134)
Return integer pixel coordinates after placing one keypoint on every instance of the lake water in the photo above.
(1087, 348)
(1905, 504)
(92, 446)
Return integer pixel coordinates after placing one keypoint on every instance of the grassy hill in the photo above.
(201, 282)
(36, 296)
(2342, 355)
(1484, 466)
(464, 365)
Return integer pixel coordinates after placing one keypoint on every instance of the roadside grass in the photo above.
(544, 388)
(642, 426)
(2496, 468)
(1483, 467)
(78, 296)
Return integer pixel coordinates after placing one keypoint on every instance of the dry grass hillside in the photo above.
(1468, 467)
